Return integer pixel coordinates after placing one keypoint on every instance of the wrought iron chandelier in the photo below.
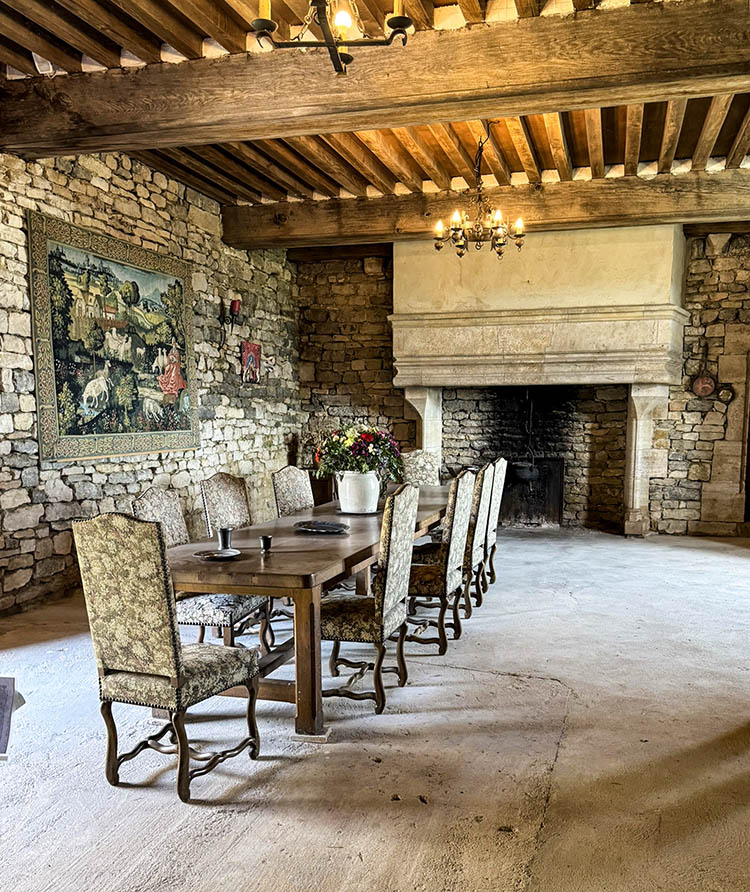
(335, 19)
(488, 226)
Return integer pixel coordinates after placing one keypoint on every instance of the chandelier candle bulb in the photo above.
(519, 226)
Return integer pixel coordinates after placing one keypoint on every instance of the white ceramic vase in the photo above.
(358, 493)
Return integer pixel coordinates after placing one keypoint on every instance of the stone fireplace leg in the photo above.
(646, 404)
(427, 403)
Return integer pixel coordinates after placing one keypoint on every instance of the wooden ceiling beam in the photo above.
(741, 143)
(448, 140)
(139, 42)
(558, 143)
(717, 113)
(527, 9)
(493, 153)
(582, 5)
(524, 146)
(356, 153)
(385, 146)
(579, 204)
(185, 175)
(421, 12)
(74, 33)
(322, 156)
(159, 18)
(17, 29)
(473, 10)
(230, 167)
(633, 134)
(299, 166)
(595, 141)
(627, 54)
(207, 171)
(208, 17)
(374, 11)
(17, 56)
(671, 135)
(249, 154)
(295, 11)
(432, 166)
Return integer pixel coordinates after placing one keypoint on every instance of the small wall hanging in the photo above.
(249, 362)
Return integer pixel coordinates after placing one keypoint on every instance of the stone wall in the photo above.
(346, 350)
(703, 492)
(584, 425)
(245, 429)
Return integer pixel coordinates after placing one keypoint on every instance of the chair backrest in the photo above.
(129, 595)
(480, 507)
(225, 502)
(422, 468)
(493, 517)
(456, 526)
(391, 584)
(292, 489)
(163, 505)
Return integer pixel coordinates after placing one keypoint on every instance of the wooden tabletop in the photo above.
(296, 560)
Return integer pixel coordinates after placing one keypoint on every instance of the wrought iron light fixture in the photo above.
(488, 226)
(335, 19)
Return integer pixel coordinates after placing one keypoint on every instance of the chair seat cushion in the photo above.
(427, 579)
(429, 553)
(348, 617)
(207, 669)
(216, 610)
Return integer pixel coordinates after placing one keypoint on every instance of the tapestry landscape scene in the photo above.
(118, 341)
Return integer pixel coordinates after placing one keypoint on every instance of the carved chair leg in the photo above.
(485, 584)
(467, 597)
(201, 634)
(443, 645)
(183, 756)
(228, 636)
(493, 575)
(403, 672)
(378, 677)
(457, 615)
(110, 767)
(478, 586)
(252, 725)
(334, 659)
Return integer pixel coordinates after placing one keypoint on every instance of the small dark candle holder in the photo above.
(265, 543)
(228, 319)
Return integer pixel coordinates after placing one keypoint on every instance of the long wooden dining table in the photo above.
(302, 567)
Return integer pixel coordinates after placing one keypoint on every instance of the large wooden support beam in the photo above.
(577, 204)
(628, 54)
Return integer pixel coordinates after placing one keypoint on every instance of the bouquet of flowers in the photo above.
(363, 450)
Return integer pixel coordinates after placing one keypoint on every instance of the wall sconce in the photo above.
(228, 319)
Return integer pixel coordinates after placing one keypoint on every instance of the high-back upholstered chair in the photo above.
(493, 518)
(372, 620)
(474, 554)
(131, 608)
(421, 467)
(225, 502)
(292, 489)
(437, 572)
(225, 612)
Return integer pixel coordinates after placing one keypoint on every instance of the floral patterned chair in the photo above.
(498, 487)
(475, 555)
(225, 502)
(228, 613)
(372, 620)
(437, 572)
(131, 608)
(292, 489)
(421, 467)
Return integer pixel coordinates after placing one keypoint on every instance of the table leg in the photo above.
(309, 719)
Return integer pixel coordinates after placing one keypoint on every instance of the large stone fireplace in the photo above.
(589, 323)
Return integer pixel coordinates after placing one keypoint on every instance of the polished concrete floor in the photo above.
(590, 732)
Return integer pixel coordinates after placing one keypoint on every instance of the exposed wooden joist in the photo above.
(361, 158)
(701, 230)
(621, 201)
(392, 154)
(473, 10)
(229, 167)
(671, 136)
(421, 12)
(626, 55)
(209, 18)
(296, 11)
(17, 29)
(715, 118)
(581, 5)
(135, 39)
(371, 9)
(74, 33)
(424, 156)
(524, 146)
(558, 144)
(207, 171)
(447, 138)
(159, 18)
(322, 156)
(595, 141)
(15, 55)
(741, 143)
(527, 9)
(249, 154)
(633, 134)
(299, 166)
(183, 174)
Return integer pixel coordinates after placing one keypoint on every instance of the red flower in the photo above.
(368, 438)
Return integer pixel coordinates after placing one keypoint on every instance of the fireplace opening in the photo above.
(565, 445)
